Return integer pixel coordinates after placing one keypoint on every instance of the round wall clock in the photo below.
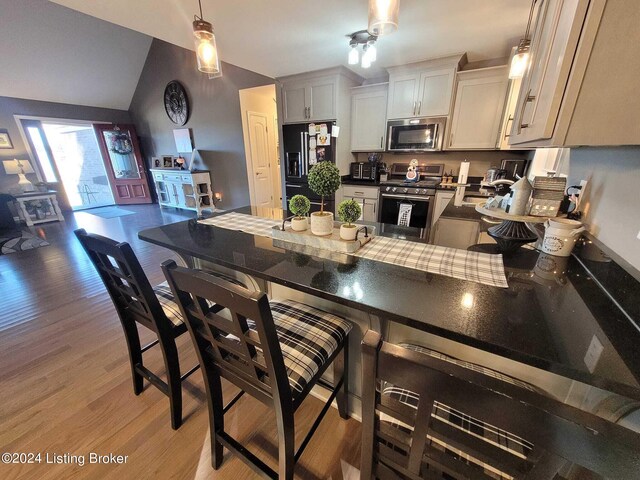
(175, 103)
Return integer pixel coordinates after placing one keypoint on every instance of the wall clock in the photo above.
(175, 103)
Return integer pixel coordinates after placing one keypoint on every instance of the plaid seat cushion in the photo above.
(500, 438)
(171, 308)
(308, 337)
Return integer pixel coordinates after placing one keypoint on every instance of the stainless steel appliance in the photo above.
(514, 169)
(415, 134)
(300, 155)
(364, 171)
(418, 196)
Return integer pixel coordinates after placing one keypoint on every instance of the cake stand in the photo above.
(513, 232)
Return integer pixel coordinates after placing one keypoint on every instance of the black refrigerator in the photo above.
(304, 145)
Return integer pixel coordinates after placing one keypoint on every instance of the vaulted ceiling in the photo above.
(55, 54)
(280, 37)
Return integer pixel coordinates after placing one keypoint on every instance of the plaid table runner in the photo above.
(244, 223)
(473, 266)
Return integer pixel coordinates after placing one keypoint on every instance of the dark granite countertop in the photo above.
(547, 318)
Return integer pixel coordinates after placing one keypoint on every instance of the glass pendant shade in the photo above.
(354, 56)
(206, 49)
(372, 52)
(383, 16)
(366, 59)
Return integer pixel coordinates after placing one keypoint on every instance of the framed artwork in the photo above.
(167, 161)
(5, 140)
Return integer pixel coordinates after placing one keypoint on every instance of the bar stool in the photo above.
(136, 302)
(275, 351)
(427, 416)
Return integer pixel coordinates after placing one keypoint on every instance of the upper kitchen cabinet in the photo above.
(369, 117)
(315, 96)
(422, 89)
(478, 109)
(580, 88)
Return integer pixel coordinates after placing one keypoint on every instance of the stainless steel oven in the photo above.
(415, 134)
(406, 214)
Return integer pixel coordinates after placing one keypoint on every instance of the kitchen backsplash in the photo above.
(480, 161)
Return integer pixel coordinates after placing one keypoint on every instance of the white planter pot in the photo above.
(299, 224)
(322, 224)
(348, 232)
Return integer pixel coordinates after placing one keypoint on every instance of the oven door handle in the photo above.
(404, 197)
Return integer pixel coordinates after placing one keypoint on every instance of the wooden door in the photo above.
(434, 96)
(403, 90)
(124, 164)
(368, 119)
(322, 98)
(260, 159)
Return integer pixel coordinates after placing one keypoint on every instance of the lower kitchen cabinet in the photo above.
(455, 233)
(442, 200)
(367, 197)
(183, 189)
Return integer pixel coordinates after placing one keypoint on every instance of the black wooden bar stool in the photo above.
(427, 415)
(137, 302)
(275, 351)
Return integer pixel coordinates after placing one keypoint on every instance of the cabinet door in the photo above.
(322, 97)
(442, 200)
(553, 46)
(434, 94)
(368, 121)
(294, 103)
(370, 210)
(478, 110)
(403, 90)
(509, 113)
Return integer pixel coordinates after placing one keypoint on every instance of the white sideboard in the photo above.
(184, 189)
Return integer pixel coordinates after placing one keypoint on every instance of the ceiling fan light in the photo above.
(383, 16)
(366, 59)
(354, 56)
(372, 52)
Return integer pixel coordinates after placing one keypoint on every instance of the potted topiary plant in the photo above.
(299, 206)
(324, 179)
(349, 211)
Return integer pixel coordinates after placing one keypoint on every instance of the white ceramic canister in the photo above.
(560, 236)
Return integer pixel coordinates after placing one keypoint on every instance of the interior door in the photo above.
(260, 158)
(124, 164)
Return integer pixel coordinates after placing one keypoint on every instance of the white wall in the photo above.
(262, 100)
(56, 54)
(611, 202)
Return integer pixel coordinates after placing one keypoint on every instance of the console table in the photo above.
(39, 207)
(184, 189)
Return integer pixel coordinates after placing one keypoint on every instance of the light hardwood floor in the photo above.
(65, 385)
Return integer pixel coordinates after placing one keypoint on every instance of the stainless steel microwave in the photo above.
(415, 134)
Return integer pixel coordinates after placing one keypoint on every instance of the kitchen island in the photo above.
(555, 326)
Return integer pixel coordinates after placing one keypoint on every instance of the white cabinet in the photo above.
(442, 200)
(478, 109)
(554, 42)
(183, 189)
(368, 118)
(422, 89)
(509, 113)
(310, 100)
(367, 197)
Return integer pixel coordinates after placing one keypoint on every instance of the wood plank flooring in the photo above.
(65, 384)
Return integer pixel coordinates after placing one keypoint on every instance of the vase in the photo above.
(322, 223)
(348, 232)
(299, 224)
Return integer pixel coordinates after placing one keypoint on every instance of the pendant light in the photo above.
(520, 60)
(205, 43)
(383, 16)
(354, 56)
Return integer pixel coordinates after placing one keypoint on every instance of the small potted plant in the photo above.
(349, 211)
(324, 179)
(299, 206)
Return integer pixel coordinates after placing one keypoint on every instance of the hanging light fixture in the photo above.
(205, 43)
(520, 60)
(383, 17)
(369, 52)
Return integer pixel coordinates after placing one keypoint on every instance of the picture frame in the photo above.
(5, 140)
(167, 161)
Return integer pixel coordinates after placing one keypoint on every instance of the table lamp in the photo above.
(20, 167)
